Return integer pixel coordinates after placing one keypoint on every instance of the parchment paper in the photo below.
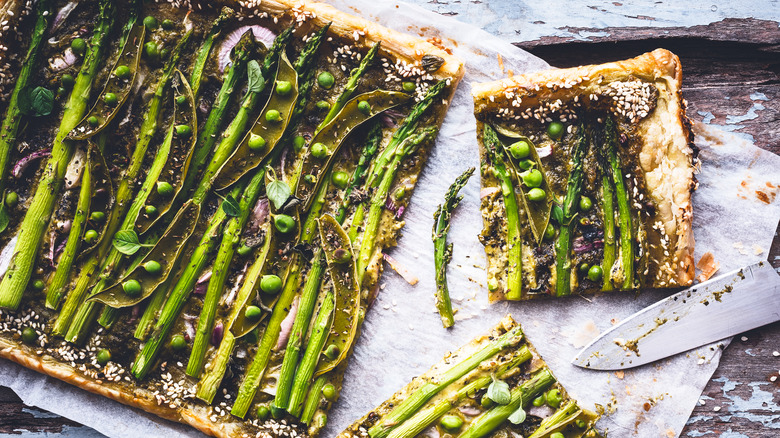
(402, 335)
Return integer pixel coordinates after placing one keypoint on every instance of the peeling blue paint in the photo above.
(708, 116)
(750, 115)
(749, 351)
(758, 96)
(760, 400)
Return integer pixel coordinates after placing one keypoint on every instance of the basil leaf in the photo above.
(4, 219)
(278, 192)
(36, 102)
(517, 416)
(498, 391)
(126, 242)
(230, 206)
(256, 80)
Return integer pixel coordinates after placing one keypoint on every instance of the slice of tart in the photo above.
(497, 385)
(587, 175)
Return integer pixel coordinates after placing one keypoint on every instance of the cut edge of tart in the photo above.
(654, 140)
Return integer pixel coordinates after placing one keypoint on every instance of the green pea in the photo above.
(90, 237)
(150, 210)
(277, 412)
(399, 193)
(340, 179)
(164, 188)
(555, 130)
(252, 337)
(549, 232)
(181, 100)
(38, 285)
(103, 356)
(243, 250)
(486, 402)
(153, 267)
(595, 272)
(253, 313)
(183, 130)
(151, 50)
(61, 91)
(532, 178)
(326, 80)
(364, 107)
(178, 342)
(329, 392)
(11, 199)
(409, 86)
(263, 412)
(581, 423)
(492, 284)
(122, 72)
(538, 401)
(132, 288)
(341, 256)
(332, 351)
(151, 23)
(584, 268)
(256, 142)
(79, 46)
(97, 216)
(554, 398)
(29, 335)
(270, 284)
(320, 421)
(273, 116)
(520, 149)
(284, 223)
(310, 179)
(67, 80)
(93, 121)
(168, 24)
(526, 164)
(585, 203)
(537, 194)
(283, 88)
(319, 150)
(323, 105)
(299, 142)
(557, 435)
(110, 99)
(451, 422)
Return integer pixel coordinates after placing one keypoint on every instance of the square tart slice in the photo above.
(496, 385)
(587, 175)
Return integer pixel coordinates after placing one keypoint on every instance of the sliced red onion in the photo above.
(217, 333)
(469, 410)
(286, 326)
(189, 329)
(61, 62)
(388, 121)
(135, 313)
(579, 245)
(259, 213)
(262, 34)
(431, 432)
(544, 151)
(23, 163)
(390, 204)
(401, 270)
(75, 169)
(231, 296)
(488, 191)
(62, 15)
(400, 212)
(202, 284)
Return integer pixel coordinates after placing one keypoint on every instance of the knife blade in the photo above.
(730, 304)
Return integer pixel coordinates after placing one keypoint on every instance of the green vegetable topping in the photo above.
(299, 142)
(581, 423)
(93, 121)
(554, 397)
(321, 420)
(319, 150)
(273, 116)
(341, 256)
(277, 412)
(323, 105)
(532, 178)
(549, 232)
(537, 194)
(29, 335)
(585, 203)
(132, 288)
(110, 99)
(178, 342)
(451, 422)
(103, 356)
(60, 91)
(486, 402)
(151, 23)
(283, 223)
(256, 142)
(557, 435)
(164, 188)
(364, 107)
(518, 416)
(329, 392)
(584, 268)
(492, 284)
(96, 216)
(595, 273)
(332, 351)
(11, 199)
(168, 24)
(498, 391)
(283, 87)
(79, 46)
(67, 81)
(520, 149)
(151, 50)
(340, 179)
(181, 100)
(409, 86)
(38, 285)
(311, 179)
(399, 193)
(122, 72)
(183, 130)
(253, 313)
(152, 267)
(555, 130)
(90, 236)
(270, 284)
(538, 401)
(150, 210)
(243, 250)
(263, 412)
(326, 80)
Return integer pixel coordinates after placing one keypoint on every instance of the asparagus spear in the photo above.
(442, 252)
(313, 400)
(41, 208)
(13, 116)
(564, 415)
(351, 86)
(404, 410)
(520, 397)
(514, 286)
(370, 149)
(626, 268)
(570, 202)
(205, 49)
(608, 209)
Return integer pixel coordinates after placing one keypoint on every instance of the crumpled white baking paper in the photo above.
(402, 335)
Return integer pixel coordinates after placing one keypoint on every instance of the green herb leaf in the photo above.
(557, 214)
(517, 416)
(278, 192)
(36, 102)
(230, 206)
(4, 219)
(256, 80)
(498, 391)
(126, 242)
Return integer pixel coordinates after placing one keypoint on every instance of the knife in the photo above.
(707, 312)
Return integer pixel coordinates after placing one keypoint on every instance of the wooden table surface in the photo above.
(731, 64)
